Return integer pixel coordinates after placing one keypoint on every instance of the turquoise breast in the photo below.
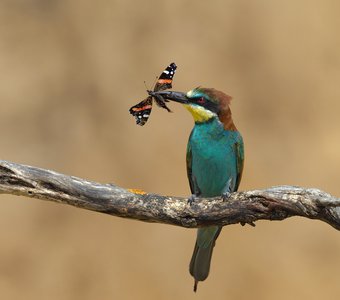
(214, 159)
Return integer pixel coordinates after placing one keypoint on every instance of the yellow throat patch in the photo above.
(199, 113)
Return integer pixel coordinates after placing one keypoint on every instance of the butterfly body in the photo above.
(142, 110)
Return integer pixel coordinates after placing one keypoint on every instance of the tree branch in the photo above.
(276, 203)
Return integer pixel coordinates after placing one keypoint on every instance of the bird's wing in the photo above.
(239, 151)
(195, 190)
(189, 168)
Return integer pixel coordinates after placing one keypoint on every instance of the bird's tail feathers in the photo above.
(201, 257)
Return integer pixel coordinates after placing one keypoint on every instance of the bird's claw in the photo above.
(249, 223)
(226, 196)
(192, 199)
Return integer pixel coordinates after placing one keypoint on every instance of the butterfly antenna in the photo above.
(154, 83)
(146, 85)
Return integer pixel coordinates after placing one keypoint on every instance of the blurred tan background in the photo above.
(70, 70)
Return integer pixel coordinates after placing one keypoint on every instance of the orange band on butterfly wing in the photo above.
(142, 108)
(164, 81)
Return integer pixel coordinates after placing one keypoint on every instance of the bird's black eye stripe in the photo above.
(212, 107)
(206, 104)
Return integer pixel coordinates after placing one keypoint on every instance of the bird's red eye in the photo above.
(201, 100)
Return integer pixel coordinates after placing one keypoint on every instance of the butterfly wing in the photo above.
(165, 79)
(164, 82)
(142, 111)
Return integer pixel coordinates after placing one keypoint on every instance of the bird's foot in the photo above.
(226, 196)
(249, 223)
(192, 199)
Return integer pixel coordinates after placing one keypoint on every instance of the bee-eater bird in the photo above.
(215, 156)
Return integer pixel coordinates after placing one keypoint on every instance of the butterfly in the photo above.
(142, 110)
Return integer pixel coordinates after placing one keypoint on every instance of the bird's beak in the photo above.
(170, 95)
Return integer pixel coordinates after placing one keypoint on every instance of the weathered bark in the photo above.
(275, 203)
